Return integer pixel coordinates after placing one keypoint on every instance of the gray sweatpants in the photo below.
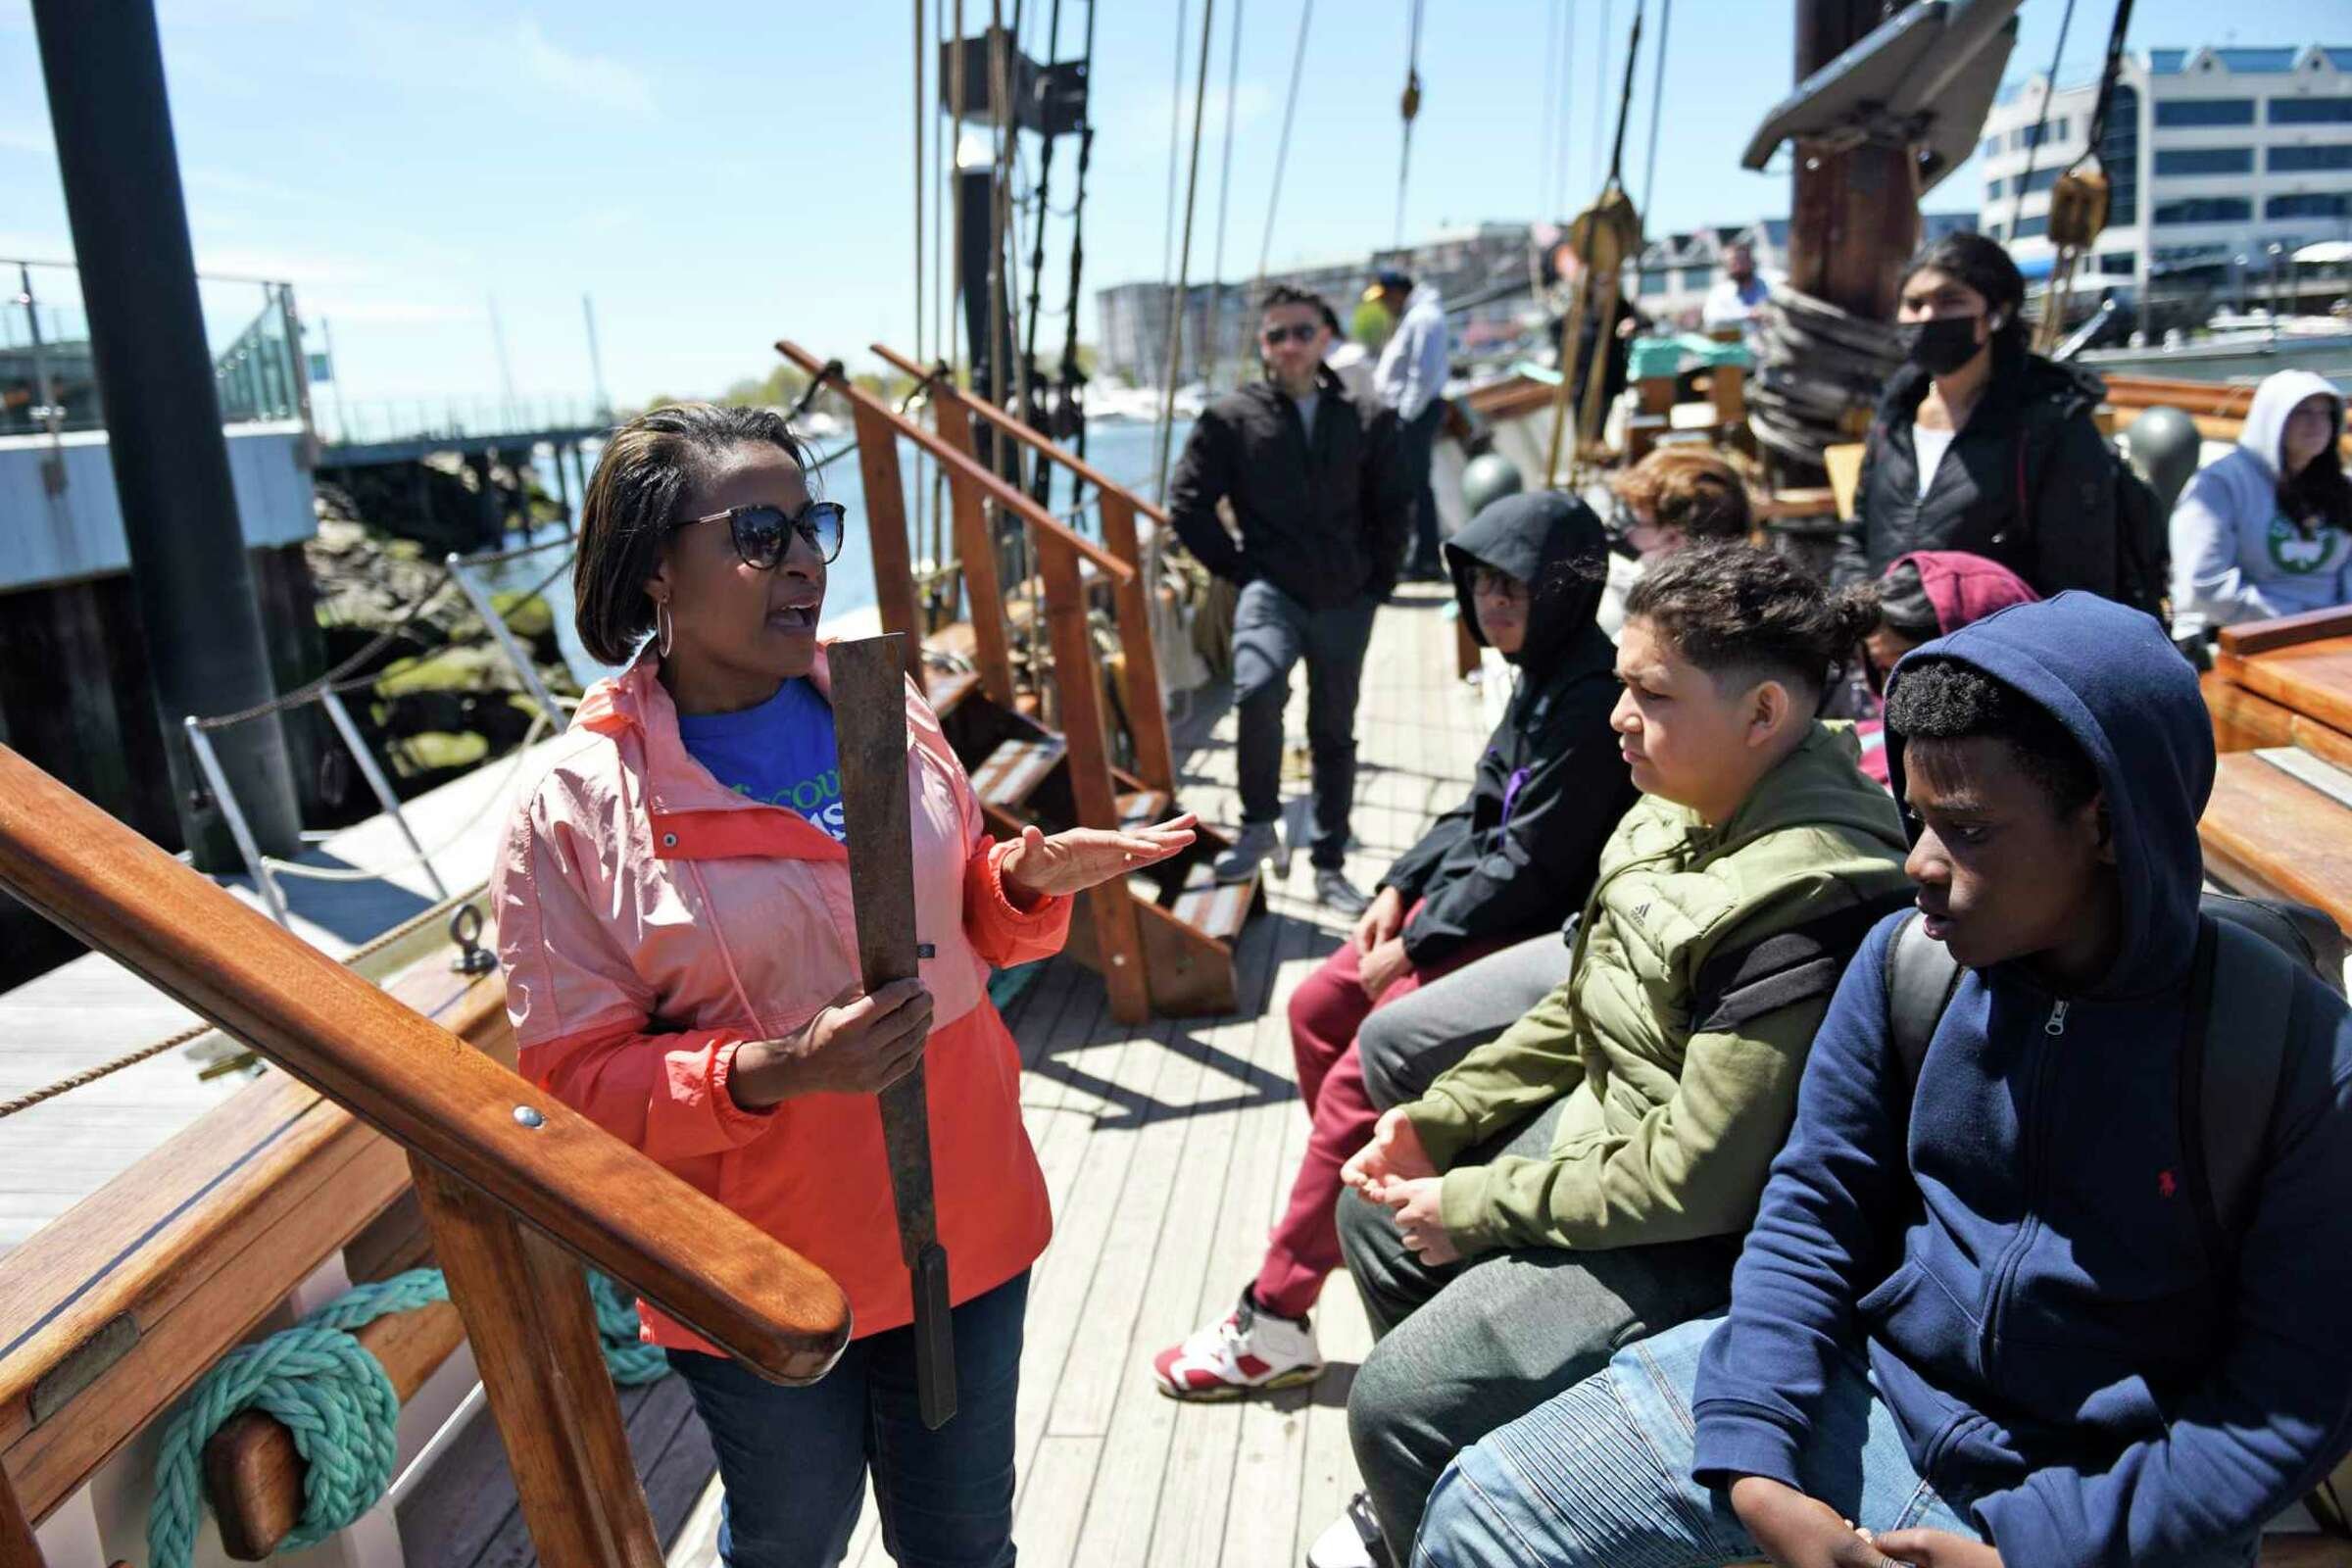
(1405, 1044)
(1465, 1347)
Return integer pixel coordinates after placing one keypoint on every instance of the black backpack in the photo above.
(2248, 951)
(2144, 535)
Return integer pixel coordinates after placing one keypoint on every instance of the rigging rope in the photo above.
(1561, 175)
(1409, 107)
(1216, 271)
(1549, 106)
(1167, 240)
(1072, 406)
(1600, 89)
(335, 1399)
(339, 679)
(1658, 102)
(496, 799)
(2049, 91)
(1184, 262)
(1281, 152)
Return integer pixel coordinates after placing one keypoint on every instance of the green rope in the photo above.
(337, 1401)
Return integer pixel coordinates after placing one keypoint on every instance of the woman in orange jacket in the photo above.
(675, 921)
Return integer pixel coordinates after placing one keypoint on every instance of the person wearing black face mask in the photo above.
(1979, 445)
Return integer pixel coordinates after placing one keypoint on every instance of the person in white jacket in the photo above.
(1412, 382)
(2266, 531)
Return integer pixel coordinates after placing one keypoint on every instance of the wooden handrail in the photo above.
(119, 1306)
(1052, 451)
(958, 465)
(453, 1108)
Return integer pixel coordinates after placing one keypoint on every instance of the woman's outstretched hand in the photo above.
(1082, 858)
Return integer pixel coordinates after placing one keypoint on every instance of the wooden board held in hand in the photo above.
(869, 726)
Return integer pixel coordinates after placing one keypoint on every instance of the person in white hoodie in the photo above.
(2266, 531)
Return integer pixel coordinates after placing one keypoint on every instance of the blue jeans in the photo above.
(793, 1461)
(1600, 1477)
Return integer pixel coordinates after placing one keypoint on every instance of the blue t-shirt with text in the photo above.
(781, 753)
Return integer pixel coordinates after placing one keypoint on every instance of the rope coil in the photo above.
(335, 1399)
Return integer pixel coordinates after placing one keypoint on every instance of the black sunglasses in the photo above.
(1276, 336)
(763, 533)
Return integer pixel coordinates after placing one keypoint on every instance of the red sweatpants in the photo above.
(1326, 1010)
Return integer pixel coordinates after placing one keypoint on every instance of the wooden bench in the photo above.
(2279, 823)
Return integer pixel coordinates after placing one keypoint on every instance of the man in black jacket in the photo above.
(1321, 499)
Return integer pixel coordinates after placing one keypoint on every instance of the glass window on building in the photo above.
(2119, 156)
(2205, 210)
(2303, 160)
(2310, 204)
(1657, 282)
(1990, 146)
(2204, 160)
(2118, 264)
(2205, 112)
(2029, 228)
(2311, 111)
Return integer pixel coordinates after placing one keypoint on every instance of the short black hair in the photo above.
(1735, 610)
(1282, 294)
(1904, 607)
(1945, 700)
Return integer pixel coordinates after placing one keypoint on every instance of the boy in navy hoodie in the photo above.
(1974, 1321)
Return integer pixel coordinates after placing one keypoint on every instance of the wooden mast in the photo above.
(1854, 217)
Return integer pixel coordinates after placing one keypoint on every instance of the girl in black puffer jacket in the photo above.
(1980, 445)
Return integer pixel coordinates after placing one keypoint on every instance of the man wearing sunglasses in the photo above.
(1322, 503)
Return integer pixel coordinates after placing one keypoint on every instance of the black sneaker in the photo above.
(1337, 894)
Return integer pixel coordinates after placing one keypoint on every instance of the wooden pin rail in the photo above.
(517, 1188)
(1148, 716)
(1109, 912)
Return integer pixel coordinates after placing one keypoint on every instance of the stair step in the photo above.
(1014, 769)
(1217, 909)
(946, 689)
(1142, 807)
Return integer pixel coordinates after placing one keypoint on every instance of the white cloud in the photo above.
(597, 79)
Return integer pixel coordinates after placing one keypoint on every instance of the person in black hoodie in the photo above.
(1498, 874)
(1323, 501)
(1980, 445)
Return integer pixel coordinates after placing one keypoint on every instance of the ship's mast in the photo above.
(1854, 217)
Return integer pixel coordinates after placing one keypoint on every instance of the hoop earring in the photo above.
(664, 628)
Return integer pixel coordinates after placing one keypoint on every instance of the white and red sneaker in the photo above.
(1251, 1349)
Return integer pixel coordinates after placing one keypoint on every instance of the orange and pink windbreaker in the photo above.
(650, 922)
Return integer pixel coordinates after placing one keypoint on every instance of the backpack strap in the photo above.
(1921, 977)
(2242, 993)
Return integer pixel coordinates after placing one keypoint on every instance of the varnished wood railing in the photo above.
(1058, 551)
(518, 1189)
(1146, 710)
(120, 1305)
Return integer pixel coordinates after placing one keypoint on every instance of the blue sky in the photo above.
(720, 175)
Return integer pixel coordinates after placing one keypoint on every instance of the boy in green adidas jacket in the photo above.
(1586, 1178)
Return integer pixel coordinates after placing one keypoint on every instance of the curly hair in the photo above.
(1944, 700)
(1739, 612)
(642, 478)
(1688, 489)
